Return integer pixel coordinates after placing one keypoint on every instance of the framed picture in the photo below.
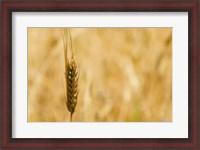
(100, 74)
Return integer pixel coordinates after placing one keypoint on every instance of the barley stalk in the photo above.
(71, 74)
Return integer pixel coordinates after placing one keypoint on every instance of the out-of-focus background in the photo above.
(125, 75)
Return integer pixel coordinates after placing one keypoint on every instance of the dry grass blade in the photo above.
(71, 74)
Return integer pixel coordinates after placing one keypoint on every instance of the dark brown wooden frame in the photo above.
(9, 6)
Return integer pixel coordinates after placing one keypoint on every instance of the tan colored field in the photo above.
(125, 74)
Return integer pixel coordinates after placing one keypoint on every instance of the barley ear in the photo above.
(72, 86)
(71, 74)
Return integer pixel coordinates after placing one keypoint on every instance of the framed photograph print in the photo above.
(100, 74)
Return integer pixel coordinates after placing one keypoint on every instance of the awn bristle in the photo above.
(71, 75)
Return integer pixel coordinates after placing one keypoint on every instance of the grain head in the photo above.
(71, 74)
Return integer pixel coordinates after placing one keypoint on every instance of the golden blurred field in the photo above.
(125, 75)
